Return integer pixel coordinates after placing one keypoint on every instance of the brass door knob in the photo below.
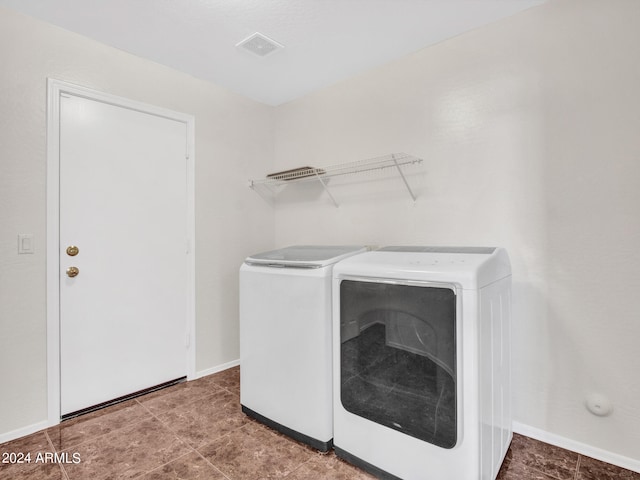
(72, 272)
(72, 250)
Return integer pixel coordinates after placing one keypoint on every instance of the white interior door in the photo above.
(123, 204)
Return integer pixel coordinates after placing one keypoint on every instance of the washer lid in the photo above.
(305, 256)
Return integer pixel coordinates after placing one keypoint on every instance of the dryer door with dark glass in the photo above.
(398, 357)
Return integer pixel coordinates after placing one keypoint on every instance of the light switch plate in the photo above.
(25, 243)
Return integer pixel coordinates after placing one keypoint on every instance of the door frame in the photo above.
(56, 88)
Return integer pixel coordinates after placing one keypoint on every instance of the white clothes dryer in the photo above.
(285, 340)
(421, 345)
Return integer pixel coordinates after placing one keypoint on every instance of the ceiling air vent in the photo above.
(260, 45)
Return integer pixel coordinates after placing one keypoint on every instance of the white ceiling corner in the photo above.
(324, 41)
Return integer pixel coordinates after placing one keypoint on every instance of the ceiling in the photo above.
(324, 41)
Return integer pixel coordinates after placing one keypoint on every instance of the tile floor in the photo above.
(196, 431)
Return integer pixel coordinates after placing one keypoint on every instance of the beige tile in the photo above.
(255, 452)
(78, 430)
(229, 379)
(40, 471)
(328, 467)
(126, 452)
(541, 457)
(189, 467)
(205, 420)
(26, 459)
(178, 396)
(515, 470)
(30, 443)
(591, 469)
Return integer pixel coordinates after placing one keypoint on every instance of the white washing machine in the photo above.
(285, 340)
(421, 345)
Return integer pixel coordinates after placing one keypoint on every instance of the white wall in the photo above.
(234, 141)
(529, 133)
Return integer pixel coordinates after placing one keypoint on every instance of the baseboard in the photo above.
(578, 447)
(216, 369)
(24, 431)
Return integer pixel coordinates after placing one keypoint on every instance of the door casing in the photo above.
(55, 88)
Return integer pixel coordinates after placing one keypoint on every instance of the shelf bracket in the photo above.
(326, 189)
(406, 184)
(256, 188)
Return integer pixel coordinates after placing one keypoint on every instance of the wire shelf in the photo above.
(396, 161)
(306, 174)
